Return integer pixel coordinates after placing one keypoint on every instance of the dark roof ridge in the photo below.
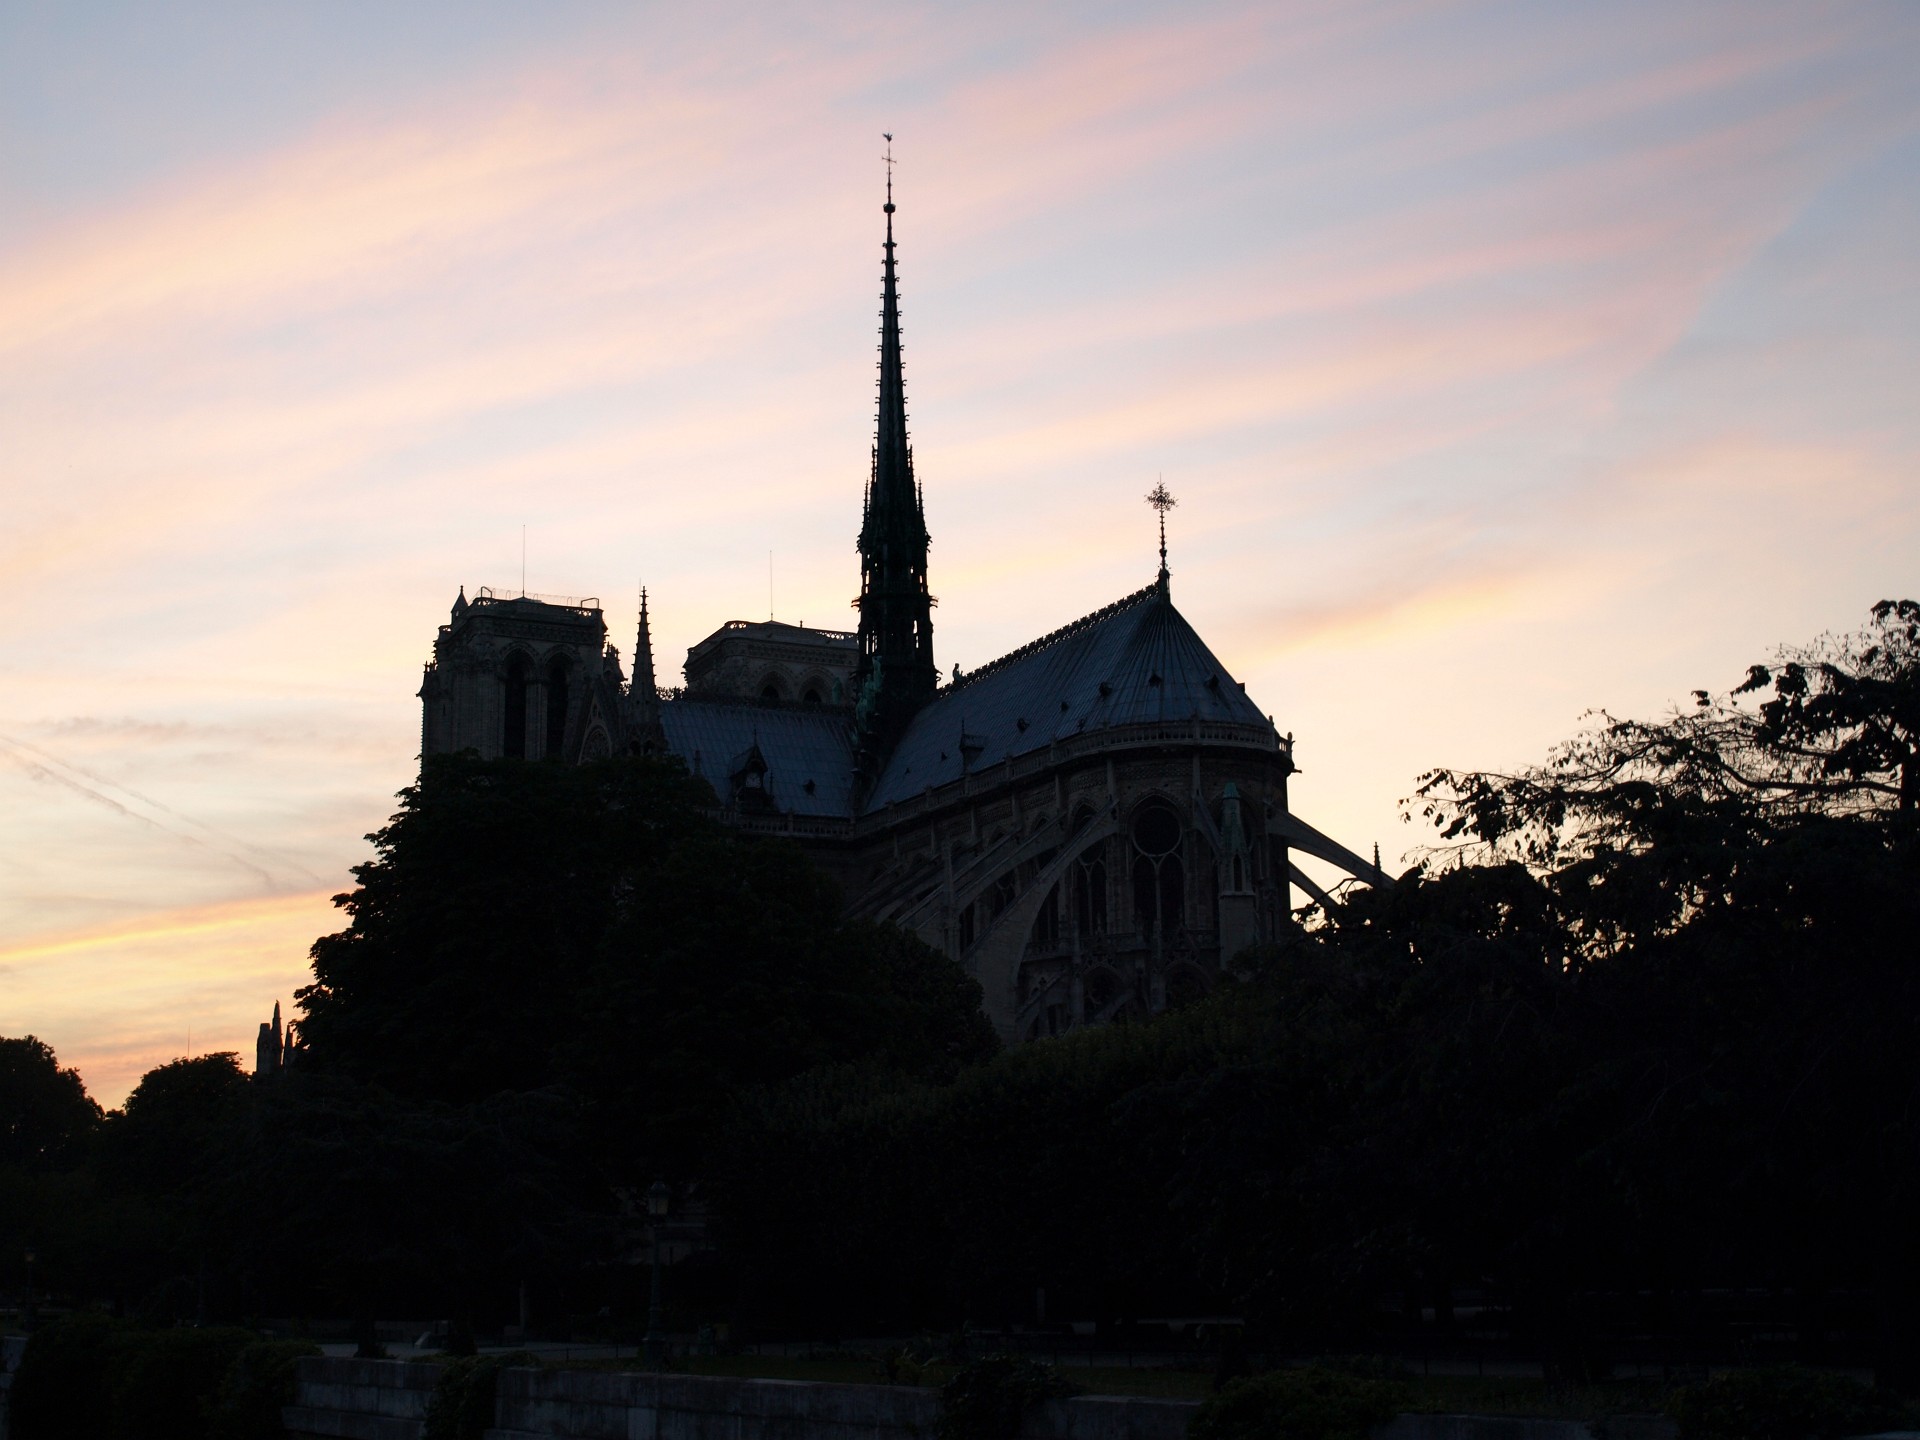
(679, 696)
(1085, 622)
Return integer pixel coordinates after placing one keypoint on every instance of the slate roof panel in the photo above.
(798, 743)
(1153, 666)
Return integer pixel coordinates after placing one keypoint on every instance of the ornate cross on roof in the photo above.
(1162, 501)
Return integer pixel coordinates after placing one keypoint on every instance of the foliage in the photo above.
(523, 926)
(170, 1134)
(1843, 726)
(256, 1387)
(462, 1407)
(168, 1382)
(1785, 1403)
(357, 1198)
(62, 1389)
(1839, 738)
(908, 1205)
(986, 1399)
(89, 1377)
(46, 1115)
(1316, 1402)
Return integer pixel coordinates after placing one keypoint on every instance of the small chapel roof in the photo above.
(1135, 662)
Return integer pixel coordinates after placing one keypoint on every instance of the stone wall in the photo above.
(387, 1400)
(576, 1405)
(360, 1399)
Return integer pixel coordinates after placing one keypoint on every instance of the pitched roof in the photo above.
(801, 745)
(1136, 662)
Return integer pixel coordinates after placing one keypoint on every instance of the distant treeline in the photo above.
(1640, 1028)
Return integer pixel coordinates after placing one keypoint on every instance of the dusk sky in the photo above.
(1507, 361)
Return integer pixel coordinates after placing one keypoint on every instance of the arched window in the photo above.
(1088, 881)
(557, 676)
(1159, 878)
(1046, 925)
(513, 708)
(1001, 894)
(771, 689)
(812, 696)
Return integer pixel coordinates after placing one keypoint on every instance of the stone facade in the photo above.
(526, 678)
(1093, 881)
(773, 661)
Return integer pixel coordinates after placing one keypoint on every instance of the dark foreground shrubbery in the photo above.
(462, 1407)
(258, 1384)
(90, 1377)
(1314, 1403)
(987, 1397)
(59, 1391)
(1785, 1403)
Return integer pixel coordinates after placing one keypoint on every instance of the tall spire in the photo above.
(895, 673)
(643, 680)
(892, 497)
(644, 734)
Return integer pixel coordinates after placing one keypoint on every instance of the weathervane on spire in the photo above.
(1162, 501)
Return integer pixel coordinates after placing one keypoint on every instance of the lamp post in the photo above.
(658, 1200)
(27, 1316)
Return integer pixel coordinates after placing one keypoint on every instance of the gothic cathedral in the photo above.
(1092, 825)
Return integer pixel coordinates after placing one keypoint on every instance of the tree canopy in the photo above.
(523, 926)
(46, 1115)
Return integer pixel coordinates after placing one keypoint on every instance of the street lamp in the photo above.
(659, 1198)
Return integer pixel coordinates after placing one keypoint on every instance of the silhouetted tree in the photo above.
(46, 1115)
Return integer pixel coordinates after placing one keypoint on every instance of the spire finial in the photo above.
(887, 135)
(1162, 501)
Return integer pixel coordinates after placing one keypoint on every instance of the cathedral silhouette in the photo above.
(1093, 825)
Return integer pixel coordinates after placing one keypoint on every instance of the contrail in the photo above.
(42, 765)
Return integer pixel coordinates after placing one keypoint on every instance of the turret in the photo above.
(269, 1049)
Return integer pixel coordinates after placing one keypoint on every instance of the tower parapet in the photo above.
(523, 677)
